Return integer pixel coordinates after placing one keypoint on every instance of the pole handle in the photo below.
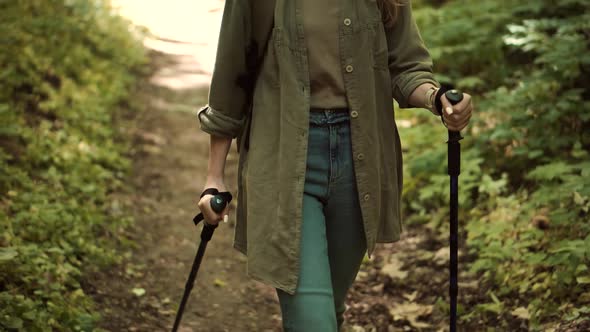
(454, 96)
(454, 154)
(218, 203)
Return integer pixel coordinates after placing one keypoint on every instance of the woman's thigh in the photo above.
(344, 226)
(311, 308)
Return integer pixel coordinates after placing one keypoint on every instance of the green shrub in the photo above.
(64, 67)
(525, 181)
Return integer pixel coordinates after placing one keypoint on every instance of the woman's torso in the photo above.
(320, 22)
(376, 65)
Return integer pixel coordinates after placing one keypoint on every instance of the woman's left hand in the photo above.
(457, 116)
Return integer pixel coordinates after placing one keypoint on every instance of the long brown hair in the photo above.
(389, 10)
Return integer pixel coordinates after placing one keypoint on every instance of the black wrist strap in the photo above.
(209, 191)
(213, 191)
(444, 87)
(437, 101)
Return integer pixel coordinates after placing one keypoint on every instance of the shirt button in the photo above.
(354, 114)
(360, 156)
(347, 21)
(366, 197)
(349, 68)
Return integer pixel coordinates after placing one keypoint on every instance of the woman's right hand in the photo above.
(210, 216)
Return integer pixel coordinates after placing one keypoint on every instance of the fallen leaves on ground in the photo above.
(411, 312)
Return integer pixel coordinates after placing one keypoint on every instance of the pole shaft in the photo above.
(218, 203)
(454, 168)
(189, 283)
(453, 262)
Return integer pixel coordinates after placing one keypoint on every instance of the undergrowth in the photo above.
(525, 176)
(65, 69)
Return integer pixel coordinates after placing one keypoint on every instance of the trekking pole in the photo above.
(454, 168)
(218, 203)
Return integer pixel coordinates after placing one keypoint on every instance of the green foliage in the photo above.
(525, 176)
(64, 67)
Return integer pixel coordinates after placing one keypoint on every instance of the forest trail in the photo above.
(100, 177)
(397, 290)
(402, 288)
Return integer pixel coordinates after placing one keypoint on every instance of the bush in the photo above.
(525, 178)
(65, 66)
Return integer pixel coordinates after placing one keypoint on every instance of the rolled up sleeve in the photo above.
(217, 123)
(410, 64)
(226, 110)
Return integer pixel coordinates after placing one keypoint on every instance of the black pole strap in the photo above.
(209, 191)
(438, 102)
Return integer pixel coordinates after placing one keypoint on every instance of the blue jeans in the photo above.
(332, 239)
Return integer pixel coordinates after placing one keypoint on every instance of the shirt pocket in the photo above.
(269, 71)
(379, 50)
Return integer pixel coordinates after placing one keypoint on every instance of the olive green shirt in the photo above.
(320, 21)
(378, 64)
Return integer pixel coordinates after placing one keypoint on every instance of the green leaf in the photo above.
(7, 254)
(535, 153)
(535, 258)
(492, 307)
(14, 323)
(550, 171)
(30, 315)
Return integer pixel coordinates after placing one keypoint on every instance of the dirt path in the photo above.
(170, 162)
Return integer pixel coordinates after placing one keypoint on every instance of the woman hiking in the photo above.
(320, 169)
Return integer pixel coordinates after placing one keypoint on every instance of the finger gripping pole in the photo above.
(454, 147)
(218, 202)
